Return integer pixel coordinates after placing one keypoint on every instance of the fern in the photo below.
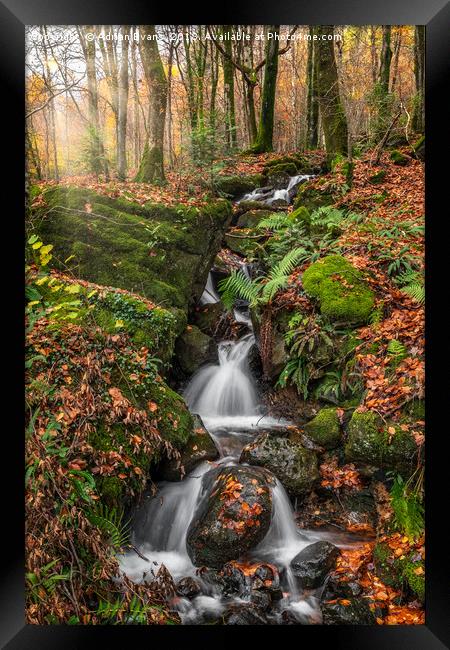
(110, 522)
(408, 510)
(396, 350)
(237, 285)
(326, 217)
(258, 291)
(295, 371)
(416, 291)
(277, 221)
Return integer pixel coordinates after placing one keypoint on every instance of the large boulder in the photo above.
(162, 252)
(312, 565)
(234, 515)
(235, 186)
(207, 317)
(251, 218)
(325, 428)
(347, 611)
(295, 466)
(370, 442)
(340, 289)
(194, 348)
(199, 448)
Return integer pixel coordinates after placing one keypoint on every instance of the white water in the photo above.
(270, 196)
(209, 294)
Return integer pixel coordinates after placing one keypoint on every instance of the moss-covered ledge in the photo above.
(161, 252)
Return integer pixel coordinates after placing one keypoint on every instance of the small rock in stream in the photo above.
(188, 588)
(313, 563)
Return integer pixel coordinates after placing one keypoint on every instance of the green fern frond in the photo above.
(271, 288)
(277, 221)
(416, 291)
(238, 285)
(408, 509)
(110, 522)
(288, 263)
(397, 350)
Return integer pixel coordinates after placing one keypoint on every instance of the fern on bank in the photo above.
(407, 504)
(110, 522)
(263, 289)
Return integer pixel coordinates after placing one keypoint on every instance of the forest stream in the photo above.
(261, 587)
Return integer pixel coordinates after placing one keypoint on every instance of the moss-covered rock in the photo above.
(200, 447)
(243, 242)
(301, 216)
(295, 466)
(325, 428)
(289, 168)
(398, 158)
(251, 218)
(207, 317)
(370, 442)
(342, 293)
(235, 186)
(193, 348)
(419, 148)
(313, 196)
(161, 252)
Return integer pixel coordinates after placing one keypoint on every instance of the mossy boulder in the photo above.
(207, 317)
(235, 186)
(251, 218)
(199, 448)
(161, 252)
(295, 466)
(370, 442)
(340, 289)
(325, 428)
(233, 517)
(399, 158)
(301, 216)
(193, 348)
(172, 419)
(313, 196)
(419, 148)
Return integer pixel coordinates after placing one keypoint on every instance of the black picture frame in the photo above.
(435, 14)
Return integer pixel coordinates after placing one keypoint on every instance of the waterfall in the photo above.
(269, 195)
(209, 294)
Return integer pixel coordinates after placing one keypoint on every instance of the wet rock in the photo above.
(233, 516)
(243, 615)
(261, 599)
(254, 361)
(188, 587)
(353, 611)
(279, 203)
(279, 179)
(193, 348)
(337, 588)
(233, 580)
(199, 448)
(289, 618)
(207, 317)
(313, 563)
(295, 466)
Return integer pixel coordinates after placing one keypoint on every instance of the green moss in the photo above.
(312, 197)
(340, 289)
(251, 218)
(161, 252)
(399, 158)
(242, 245)
(397, 573)
(325, 428)
(289, 168)
(234, 186)
(369, 442)
(415, 582)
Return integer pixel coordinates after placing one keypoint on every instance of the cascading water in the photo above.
(269, 195)
(226, 398)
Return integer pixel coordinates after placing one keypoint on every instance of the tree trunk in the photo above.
(228, 82)
(418, 120)
(312, 107)
(97, 159)
(151, 169)
(334, 122)
(123, 109)
(264, 138)
(385, 60)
